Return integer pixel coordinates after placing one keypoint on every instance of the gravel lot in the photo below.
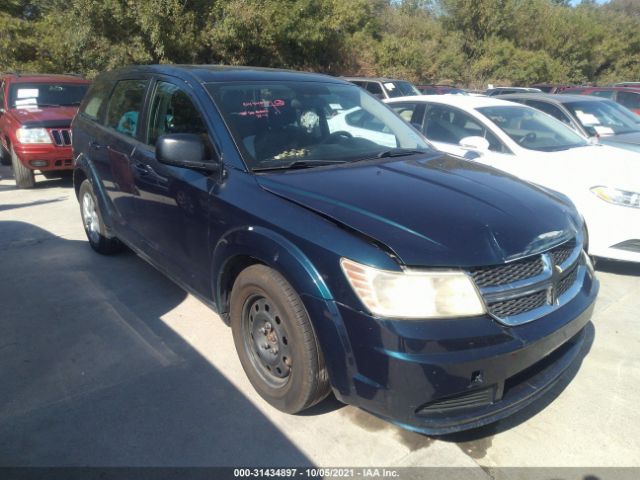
(103, 361)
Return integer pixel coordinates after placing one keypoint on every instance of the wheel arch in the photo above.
(247, 246)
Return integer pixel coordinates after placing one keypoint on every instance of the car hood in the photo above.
(580, 168)
(434, 210)
(629, 141)
(48, 117)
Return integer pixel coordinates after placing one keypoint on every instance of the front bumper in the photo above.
(44, 157)
(443, 376)
(614, 231)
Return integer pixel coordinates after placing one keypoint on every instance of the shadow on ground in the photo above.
(618, 268)
(92, 376)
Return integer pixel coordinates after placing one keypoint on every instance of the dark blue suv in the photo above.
(345, 253)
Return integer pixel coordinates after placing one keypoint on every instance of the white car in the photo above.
(360, 123)
(603, 181)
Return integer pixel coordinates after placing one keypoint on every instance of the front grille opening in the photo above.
(514, 306)
(511, 272)
(566, 283)
(473, 399)
(61, 137)
(564, 251)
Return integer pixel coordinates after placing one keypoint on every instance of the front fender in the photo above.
(274, 250)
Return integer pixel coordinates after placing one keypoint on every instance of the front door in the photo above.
(173, 201)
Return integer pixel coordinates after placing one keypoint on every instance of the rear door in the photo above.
(114, 147)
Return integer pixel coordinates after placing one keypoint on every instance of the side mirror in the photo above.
(186, 150)
(478, 144)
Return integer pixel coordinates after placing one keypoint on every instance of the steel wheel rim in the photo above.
(266, 341)
(90, 218)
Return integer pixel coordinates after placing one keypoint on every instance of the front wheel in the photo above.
(24, 177)
(275, 341)
(93, 225)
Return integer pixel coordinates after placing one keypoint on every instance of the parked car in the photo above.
(626, 96)
(35, 118)
(440, 90)
(492, 92)
(384, 87)
(551, 87)
(602, 120)
(627, 84)
(603, 181)
(340, 263)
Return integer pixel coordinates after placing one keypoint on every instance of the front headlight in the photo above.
(33, 135)
(617, 197)
(413, 293)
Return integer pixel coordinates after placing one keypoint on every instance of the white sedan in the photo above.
(603, 181)
(360, 123)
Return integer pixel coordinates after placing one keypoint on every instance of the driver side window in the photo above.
(172, 111)
(449, 125)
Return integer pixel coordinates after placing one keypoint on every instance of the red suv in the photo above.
(35, 118)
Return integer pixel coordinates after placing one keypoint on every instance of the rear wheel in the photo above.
(275, 341)
(24, 177)
(93, 225)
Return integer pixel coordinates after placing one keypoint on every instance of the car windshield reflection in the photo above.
(275, 125)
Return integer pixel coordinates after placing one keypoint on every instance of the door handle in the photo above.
(141, 169)
(96, 146)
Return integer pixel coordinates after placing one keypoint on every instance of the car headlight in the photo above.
(617, 196)
(33, 135)
(413, 293)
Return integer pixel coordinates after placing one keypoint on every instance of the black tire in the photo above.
(262, 298)
(5, 156)
(24, 177)
(93, 224)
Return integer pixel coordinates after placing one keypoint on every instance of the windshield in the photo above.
(278, 124)
(604, 118)
(29, 95)
(532, 129)
(400, 89)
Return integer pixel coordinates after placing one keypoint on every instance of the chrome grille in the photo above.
(61, 136)
(508, 273)
(526, 289)
(514, 306)
(561, 253)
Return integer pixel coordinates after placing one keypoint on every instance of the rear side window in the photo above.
(375, 89)
(550, 109)
(629, 99)
(95, 99)
(125, 106)
(410, 112)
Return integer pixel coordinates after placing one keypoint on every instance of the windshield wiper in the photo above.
(299, 164)
(399, 152)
